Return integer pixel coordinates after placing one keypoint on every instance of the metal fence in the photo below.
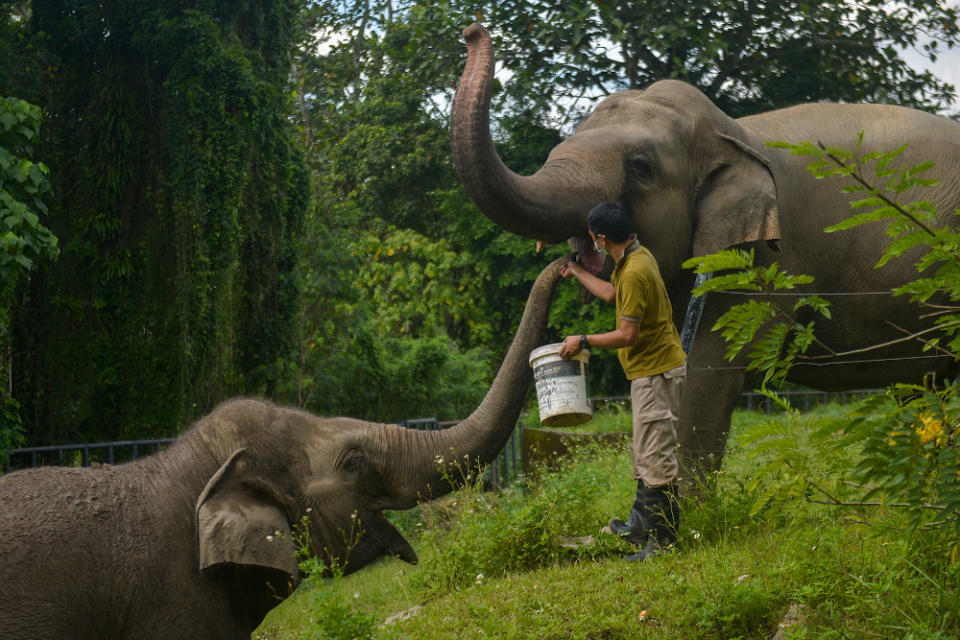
(81, 454)
(804, 400)
(504, 470)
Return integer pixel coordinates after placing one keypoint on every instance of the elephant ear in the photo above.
(737, 202)
(241, 520)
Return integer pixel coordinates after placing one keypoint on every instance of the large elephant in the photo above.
(198, 541)
(697, 181)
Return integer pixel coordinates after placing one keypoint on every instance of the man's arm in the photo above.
(623, 336)
(597, 286)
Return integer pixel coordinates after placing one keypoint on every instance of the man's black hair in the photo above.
(610, 219)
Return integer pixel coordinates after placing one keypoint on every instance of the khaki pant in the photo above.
(656, 410)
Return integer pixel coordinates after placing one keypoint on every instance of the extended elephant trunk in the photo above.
(430, 463)
(550, 205)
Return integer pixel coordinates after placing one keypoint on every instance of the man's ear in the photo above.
(241, 521)
(737, 202)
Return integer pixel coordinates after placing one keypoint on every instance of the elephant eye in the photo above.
(353, 461)
(641, 169)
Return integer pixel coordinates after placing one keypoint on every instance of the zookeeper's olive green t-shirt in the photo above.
(642, 297)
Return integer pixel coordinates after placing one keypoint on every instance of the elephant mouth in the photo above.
(389, 540)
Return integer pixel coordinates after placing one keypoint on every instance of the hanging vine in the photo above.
(179, 192)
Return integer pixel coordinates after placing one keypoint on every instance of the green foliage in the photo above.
(366, 375)
(910, 454)
(474, 538)
(23, 185)
(374, 328)
(783, 338)
(799, 457)
(335, 618)
(747, 57)
(420, 287)
(177, 194)
(332, 616)
(24, 240)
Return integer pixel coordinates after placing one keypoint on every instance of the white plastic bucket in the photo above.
(562, 392)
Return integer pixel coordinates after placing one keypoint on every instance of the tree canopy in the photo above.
(747, 55)
(177, 194)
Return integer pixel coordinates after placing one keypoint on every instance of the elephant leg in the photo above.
(712, 390)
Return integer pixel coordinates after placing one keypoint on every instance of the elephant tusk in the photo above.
(540, 245)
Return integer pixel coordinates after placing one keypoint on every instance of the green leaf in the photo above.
(8, 120)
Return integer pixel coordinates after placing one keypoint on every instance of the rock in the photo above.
(795, 616)
(576, 543)
(403, 615)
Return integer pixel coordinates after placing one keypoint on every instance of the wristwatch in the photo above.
(583, 342)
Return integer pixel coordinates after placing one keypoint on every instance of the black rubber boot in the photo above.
(634, 530)
(661, 514)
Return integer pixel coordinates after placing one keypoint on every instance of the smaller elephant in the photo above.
(199, 541)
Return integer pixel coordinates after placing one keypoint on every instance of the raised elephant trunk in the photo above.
(431, 463)
(550, 205)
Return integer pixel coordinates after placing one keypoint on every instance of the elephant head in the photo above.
(685, 170)
(282, 467)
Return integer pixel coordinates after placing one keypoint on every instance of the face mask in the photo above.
(597, 248)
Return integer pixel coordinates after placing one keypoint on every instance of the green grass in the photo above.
(494, 565)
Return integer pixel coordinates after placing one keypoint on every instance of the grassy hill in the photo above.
(530, 562)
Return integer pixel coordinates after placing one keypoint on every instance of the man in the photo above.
(651, 355)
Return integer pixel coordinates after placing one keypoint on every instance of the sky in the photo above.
(947, 67)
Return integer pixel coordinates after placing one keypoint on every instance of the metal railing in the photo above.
(81, 454)
(804, 400)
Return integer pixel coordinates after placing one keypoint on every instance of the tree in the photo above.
(747, 55)
(24, 240)
(178, 193)
(372, 110)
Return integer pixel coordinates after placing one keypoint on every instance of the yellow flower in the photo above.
(931, 429)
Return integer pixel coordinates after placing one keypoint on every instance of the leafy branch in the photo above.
(911, 225)
(785, 338)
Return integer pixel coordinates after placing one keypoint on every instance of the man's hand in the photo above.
(571, 269)
(570, 347)
(600, 288)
